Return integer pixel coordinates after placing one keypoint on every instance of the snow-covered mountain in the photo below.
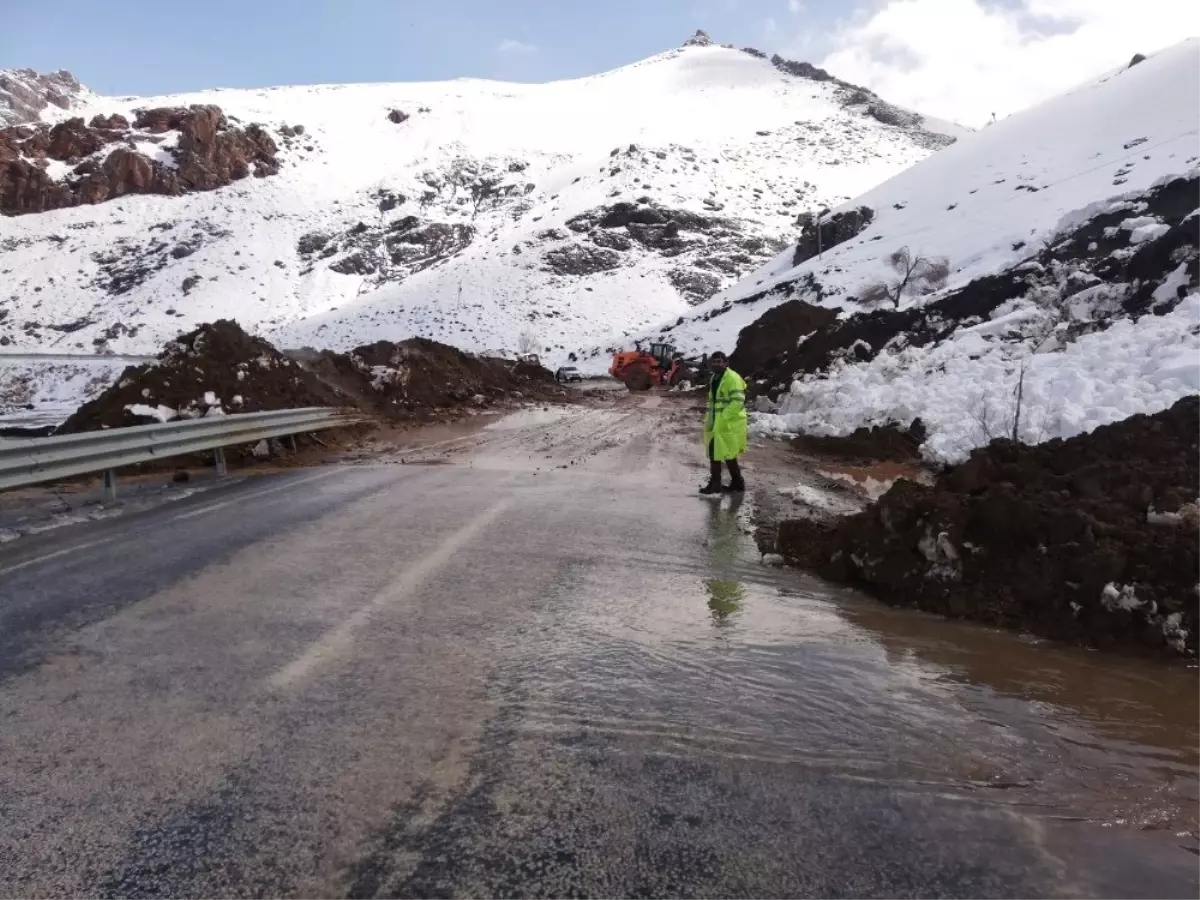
(28, 96)
(1071, 259)
(468, 211)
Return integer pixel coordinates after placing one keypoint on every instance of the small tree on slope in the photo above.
(528, 343)
(915, 274)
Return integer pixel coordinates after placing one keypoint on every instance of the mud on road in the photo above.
(520, 656)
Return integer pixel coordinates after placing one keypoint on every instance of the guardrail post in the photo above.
(292, 442)
(110, 485)
(219, 456)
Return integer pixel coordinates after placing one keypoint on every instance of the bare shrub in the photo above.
(528, 343)
(915, 274)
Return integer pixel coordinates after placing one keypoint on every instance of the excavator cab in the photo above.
(664, 355)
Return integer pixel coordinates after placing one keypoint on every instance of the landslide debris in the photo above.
(1091, 540)
(213, 369)
(418, 377)
(218, 368)
(868, 444)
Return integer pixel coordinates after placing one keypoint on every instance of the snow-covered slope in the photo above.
(993, 203)
(466, 211)
(29, 96)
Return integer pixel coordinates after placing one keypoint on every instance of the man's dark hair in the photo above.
(718, 355)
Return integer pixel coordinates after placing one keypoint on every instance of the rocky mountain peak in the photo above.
(699, 39)
(24, 93)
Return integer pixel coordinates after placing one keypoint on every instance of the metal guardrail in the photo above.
(29, 461)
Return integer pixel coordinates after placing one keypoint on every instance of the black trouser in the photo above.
(714, 468)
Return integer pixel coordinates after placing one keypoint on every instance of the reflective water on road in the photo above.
(740, 661)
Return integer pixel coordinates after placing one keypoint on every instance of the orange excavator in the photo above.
(641, 369)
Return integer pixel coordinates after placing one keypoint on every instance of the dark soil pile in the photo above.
(419, 377)
(1092, 540)
(764, 347)
(877, 443)
(216, 365)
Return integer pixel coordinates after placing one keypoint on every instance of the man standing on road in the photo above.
(725, 426)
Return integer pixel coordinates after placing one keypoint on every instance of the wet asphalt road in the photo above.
(530, 663)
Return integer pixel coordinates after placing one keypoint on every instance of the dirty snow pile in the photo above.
(470, 212)
(39, 393)
(965, 389)
(1069, 231)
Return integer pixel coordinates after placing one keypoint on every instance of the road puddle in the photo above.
(702, 652)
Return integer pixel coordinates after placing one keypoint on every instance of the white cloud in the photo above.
(511, 45)
(965, 59)
(770, 27)
(795, 7)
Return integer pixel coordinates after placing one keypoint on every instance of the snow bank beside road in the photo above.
(965, 390)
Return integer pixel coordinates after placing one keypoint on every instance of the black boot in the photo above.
(714, 476)
(736, 485)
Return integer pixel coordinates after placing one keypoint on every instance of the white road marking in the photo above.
(338, 640)
(56, 553)
(191, 513)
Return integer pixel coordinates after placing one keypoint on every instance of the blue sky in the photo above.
(958, 59)
(147, 47)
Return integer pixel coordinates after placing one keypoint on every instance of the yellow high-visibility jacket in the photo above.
(725, 419)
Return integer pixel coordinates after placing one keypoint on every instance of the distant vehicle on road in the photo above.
(568, 373)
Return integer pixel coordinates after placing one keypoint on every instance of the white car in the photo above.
(568, 373)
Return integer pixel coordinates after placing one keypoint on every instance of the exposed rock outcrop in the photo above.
(581, 259)
(385, 254)
(24, 93)
(696, 287)
(834, 230)
(861, 99)
(710, 249)
(206, 153)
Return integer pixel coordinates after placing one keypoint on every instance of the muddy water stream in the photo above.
(745, 664)
(1072, 732)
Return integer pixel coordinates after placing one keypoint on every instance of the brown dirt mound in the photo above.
(219, 367)
(216, 365)
(768, 343)
(418, 377)
(1092, 540)
(878, 443)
